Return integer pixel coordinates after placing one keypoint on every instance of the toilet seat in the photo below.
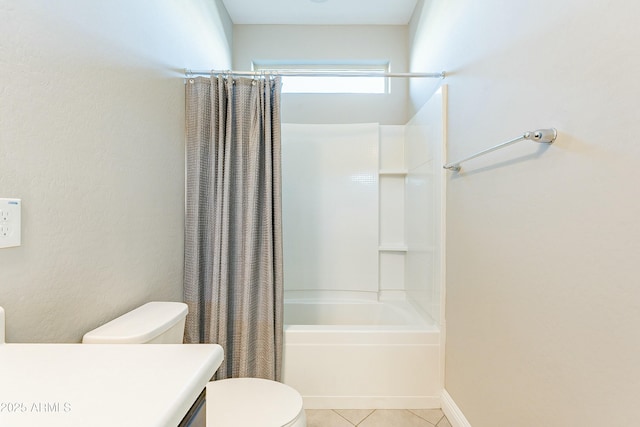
(250, 402)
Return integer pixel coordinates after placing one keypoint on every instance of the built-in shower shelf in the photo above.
(392, 248)
(393, 172)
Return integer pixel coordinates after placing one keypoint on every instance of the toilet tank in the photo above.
(152, 323)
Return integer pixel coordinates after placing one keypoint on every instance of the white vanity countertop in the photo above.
(141, 385)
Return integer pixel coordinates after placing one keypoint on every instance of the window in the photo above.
(330, 84)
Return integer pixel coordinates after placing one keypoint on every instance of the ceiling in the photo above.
(321, 12)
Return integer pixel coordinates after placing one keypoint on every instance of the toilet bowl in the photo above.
(250, 402)
(237, 402)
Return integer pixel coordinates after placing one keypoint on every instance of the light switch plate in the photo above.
(10, 213)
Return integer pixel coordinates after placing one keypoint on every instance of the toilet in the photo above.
(245, 402)
(236, 402)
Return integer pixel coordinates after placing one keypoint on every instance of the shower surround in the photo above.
(363, 245)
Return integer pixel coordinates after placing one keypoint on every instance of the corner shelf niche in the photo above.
(393, 172)
(392, 248)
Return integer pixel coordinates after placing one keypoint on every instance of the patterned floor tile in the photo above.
(431, 415)
(395, 418)
(354, 416)
(325, 418)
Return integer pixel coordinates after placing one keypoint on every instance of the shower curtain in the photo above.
(233, 278)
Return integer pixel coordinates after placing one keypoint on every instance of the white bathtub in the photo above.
(361, 355)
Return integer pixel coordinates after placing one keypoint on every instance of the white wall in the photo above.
(333, 44)
(542, 261)
(424, 199)
(92, 140)
(330, 208)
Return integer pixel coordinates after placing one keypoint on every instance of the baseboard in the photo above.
(453, 413)
(371, 402)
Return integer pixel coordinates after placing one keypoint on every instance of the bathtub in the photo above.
(361, 355)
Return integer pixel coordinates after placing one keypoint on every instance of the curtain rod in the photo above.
(193, 73)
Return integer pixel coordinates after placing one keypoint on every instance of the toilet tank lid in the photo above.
(140, 325)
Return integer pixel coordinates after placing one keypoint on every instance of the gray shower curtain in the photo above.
(233, 280)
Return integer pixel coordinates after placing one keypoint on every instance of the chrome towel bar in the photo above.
(541, 135)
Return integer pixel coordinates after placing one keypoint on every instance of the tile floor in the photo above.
(376, 418)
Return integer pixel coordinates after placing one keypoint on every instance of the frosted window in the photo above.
(330, 84)
(291, 84)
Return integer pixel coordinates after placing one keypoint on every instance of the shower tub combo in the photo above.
(354, 337)
(361, 354)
